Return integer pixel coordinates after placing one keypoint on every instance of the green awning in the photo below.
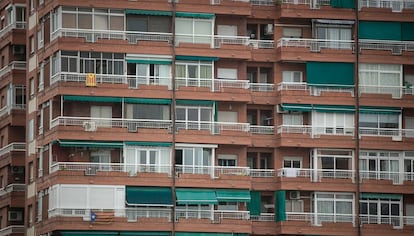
(208, 234)
(89, 233)
(195, 102)
(195, 15)
(156, 101)
(144, 233)
(255, 204)
(233, 195)
(333, 108)
(296, 107)
(330, 74)
(148, 196)
(407, 31)
(196, 58)
(380, 110)
(343, 4)
(90, 144)
(382, 30)
(150, 144)
(280, 200)
(143, 61)
(148, 12)
(91, 98)
(381, 196)
(195, 196)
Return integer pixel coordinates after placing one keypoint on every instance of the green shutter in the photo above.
(195, 15)
(407, 31)
(233, 195)
(330, 74)
(343, 4)
(280, 200)
(91, 98)
(149, 144)
(90, 144)
(296, 107)
(148, 196)
(195, 196)
(144, 233)
(148, 12)
(195, 102)
(255, 204)
(380, 110)
(155, 101)
(333, 108)
(381, 196)
(196, 58)
(380, 30)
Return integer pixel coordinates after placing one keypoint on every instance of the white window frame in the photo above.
(380, 73)
(288, 77)
(133, 153)
(381, 157)
(226, 158)
(340, 123)
(291, 160)
(379, 218)
(197, 81)
(198, 124)
(333, 217)
(192, 37)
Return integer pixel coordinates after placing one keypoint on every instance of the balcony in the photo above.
(15, 25)
(212, 126)
(396, 47)
(220, 40)
(315, 90)
(315, 45)
(317, 219)
(12, 188)
(312, 3)
(398, 222)
(315, 131)
(262, 87)
(395, 5)
(16, 65)
(12, 230)
(316, 175)
(396, 134)
(6, 110)
(397, 178)
(216, 216)
(396, 92)
(259, 129)
(13, 147)
(218, 171)
(215, 85)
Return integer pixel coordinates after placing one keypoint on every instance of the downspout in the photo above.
(173, 128)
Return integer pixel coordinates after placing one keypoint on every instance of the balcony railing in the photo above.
(262, 173)
(396, 221)
(90, 168)
(262, 44)
(94, 35)
(262, 87)
(395, 5)
(12, 229)
(263, 217)
(316, 175)
(314, 4)
(217, 216)
(315, 45)
(16, 65)
(395, 91)
(319, 218)
(230, 40)
(217, 171)
(315, 90)
(260, 129)
(81, 78)
(315, 130)
(396, 177)
(396, 134)
(134, 214)
(396, 47)
(7, 109)
(13, 147)
(15, 25)
(12, 188)
(263, 2)
(212, 126)
(219, 84)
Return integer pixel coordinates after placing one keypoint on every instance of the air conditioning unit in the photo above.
(293, 195)
(89, 126)
(17, 169)
(15, 216)
(397, 138)
(269, 29)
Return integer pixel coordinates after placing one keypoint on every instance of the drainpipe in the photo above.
(173, 128)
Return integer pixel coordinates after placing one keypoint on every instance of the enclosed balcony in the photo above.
(394, 5)
(15, 18)
(313, 9)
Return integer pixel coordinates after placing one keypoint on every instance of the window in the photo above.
(31, 172)
(192, 30)
(41, 76)
(292, 162)
(260, 117)
(195, 160)
(147, 159)
(148, 111)
(30, 128)
(334, 33)
(32, 6)
(381, 211)
(334, 207)
(292, 76)
(147, 74)
(378, 124)
(144, 23)
(91, 18)
(227, 73)
(292, 119)
(30, 213)
(332, 123)
(32, 87)
(194, 73)
(409, 166)
(227, 30)
(260, 160)
(227, 160)
(193, 117)
(380, 165)
(103, 157)
(380, 78)
(32, 44)
(335, 163)
(227, 206)
(294, 205)
(19, 99)
(262, 75)
(40, 34)
(292, 32)
(104, 113)
(39, 206)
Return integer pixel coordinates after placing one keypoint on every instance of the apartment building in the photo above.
(219, 117)
(12, 116)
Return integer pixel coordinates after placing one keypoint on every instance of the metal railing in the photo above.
(231, 170)
(396, 177)
(314, 4)
(396, 221)
(391, 132)
(263, 217)
(395, 91)
(15, 65)
(7, 109)
(262, 44)
(14, 25)
(396, 47)
(315, 90)
(230, 40)
(262, 173)
(263, 2)
(316, 174)
(395, 5)
(212, 126)
(12, 229)
(261, 129)
(81, 78)
(216, 215)
(12, 188)
(220, 84)
(134, 214)
(13, 147)
(262, 87)
(319, 218)
(315, 45)
(315, 130)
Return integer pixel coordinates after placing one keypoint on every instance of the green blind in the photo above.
(88, 233)
(296, 107)
(91, 98)
(195, 15)
(380, 196)
(343, 4)
(148, 12)
(148, 195)
(195, 102)
(150, 144)
(380, 30)
(255, 203)
(233, 195)
(144, 233)
(91, 144)
(195, 196)
(407, 31)
(144, 61)
(155, 101)
(380, 110)
(280, 200)
(333, 108)
(196, 58)
(330, 73)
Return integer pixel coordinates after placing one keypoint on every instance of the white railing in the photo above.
(263, 2)
(133, 214)
(264, 217)
(315, 45)
(135, 81)
(12, 188)
(312, 3)
(393, 132)
(231, 170)
(319, 218)
(93, 35)
(217, 171)
(260, 129)
(315, 90)
(395, 91)
(396, 221)
(316, 174)
(13, 147)
(396, 47)
(262, 87)
(214, 127)
(15, 25)
(395, 5)
(231, 215)
(16, 65)
(201, 170)
(230, 40)
(12, 229)
(262, 44)
(132, 124)
(91, 168)
(396, 177)
(7, 109)
(262, 173)
(197, 39)
(220, 84)
(189, 82)
(81, 78)
(293, 86)
(315, 130)
(217, 216)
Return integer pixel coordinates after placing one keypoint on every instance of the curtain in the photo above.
(206, 72)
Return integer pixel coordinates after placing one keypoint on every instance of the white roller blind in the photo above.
(227, 116)
(292, 32)
(227, 30)
(227, 73)
(102, 197)
(73, 197)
